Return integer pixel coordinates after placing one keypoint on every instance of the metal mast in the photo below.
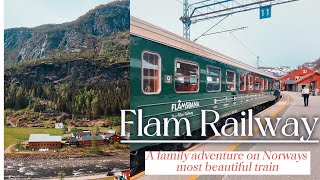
(186, 19)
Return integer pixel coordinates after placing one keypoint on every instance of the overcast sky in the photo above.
(31, 13)
(290, 37)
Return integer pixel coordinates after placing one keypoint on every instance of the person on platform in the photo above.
(305, 94)
(316, 92)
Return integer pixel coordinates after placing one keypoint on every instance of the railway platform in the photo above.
(290, 106)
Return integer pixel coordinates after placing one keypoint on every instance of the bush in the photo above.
(73, 130)
(19, 146)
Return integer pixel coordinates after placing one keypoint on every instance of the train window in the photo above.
(250, 82)
(151, 73)
(242, 82)
(277, 85)
(257, 83)
(186, 76)
(213, 79)
(270, 85)
(262, 84)
(266, 85)
(230, 80)
(274, 87)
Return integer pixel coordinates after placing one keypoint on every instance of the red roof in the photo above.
(298, 72)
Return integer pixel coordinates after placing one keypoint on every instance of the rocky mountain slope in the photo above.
(314, 65)
(278, 71)
(79, 70)
(283, 70)
(86, 34)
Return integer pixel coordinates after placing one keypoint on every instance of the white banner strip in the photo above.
(227, 163)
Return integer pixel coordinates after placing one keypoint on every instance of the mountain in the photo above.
(56, 73)
(84, 35)
(283, 70)
(72, 73)
(314, 65)
(278, 71)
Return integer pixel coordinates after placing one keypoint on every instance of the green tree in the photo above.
(97, 129)
(61, 175)
(95, 146)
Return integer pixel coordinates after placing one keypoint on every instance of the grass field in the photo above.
(14, 135)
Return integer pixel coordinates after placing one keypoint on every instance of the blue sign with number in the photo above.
(265, 12)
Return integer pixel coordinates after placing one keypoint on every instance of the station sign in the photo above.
(265, 12)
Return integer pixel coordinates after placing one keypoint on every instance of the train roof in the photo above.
(151, 32)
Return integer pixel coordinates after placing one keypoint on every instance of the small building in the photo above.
(287, 82)
(105, 132)
(123, 175)
(42, 141)
(312, 81)
(113, 137)
(58, 125)
(81, 133)
(126, 174)
(298, 79)
(87, 140)
(73, 141)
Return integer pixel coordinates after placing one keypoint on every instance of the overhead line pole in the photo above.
(186, 20)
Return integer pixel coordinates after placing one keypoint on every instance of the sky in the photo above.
(31, 13)
(290, 37)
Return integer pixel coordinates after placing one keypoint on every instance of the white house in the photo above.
(58, 126)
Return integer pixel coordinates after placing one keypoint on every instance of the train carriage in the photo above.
(174, 77)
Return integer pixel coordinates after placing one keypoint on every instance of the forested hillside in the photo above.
(72, 73)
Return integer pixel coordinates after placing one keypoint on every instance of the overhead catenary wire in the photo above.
(217, 24)
(179, 1)
(258, 57)
(243, 44)
(210, 28)
(229, 30)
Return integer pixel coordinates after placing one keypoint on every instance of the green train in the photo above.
(174, 77)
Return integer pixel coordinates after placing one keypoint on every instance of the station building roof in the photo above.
(89, 138)
(44, 138)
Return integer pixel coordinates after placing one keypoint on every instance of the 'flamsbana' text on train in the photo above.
(184, 105)
(302, 128)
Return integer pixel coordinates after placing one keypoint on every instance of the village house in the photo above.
(106, 132)
(123, 174)
(81, 133)
(73, 141)
(41, 141)
(298, 79)
(112, 137)
(58, 125)
(84, 138)
(87, 140)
